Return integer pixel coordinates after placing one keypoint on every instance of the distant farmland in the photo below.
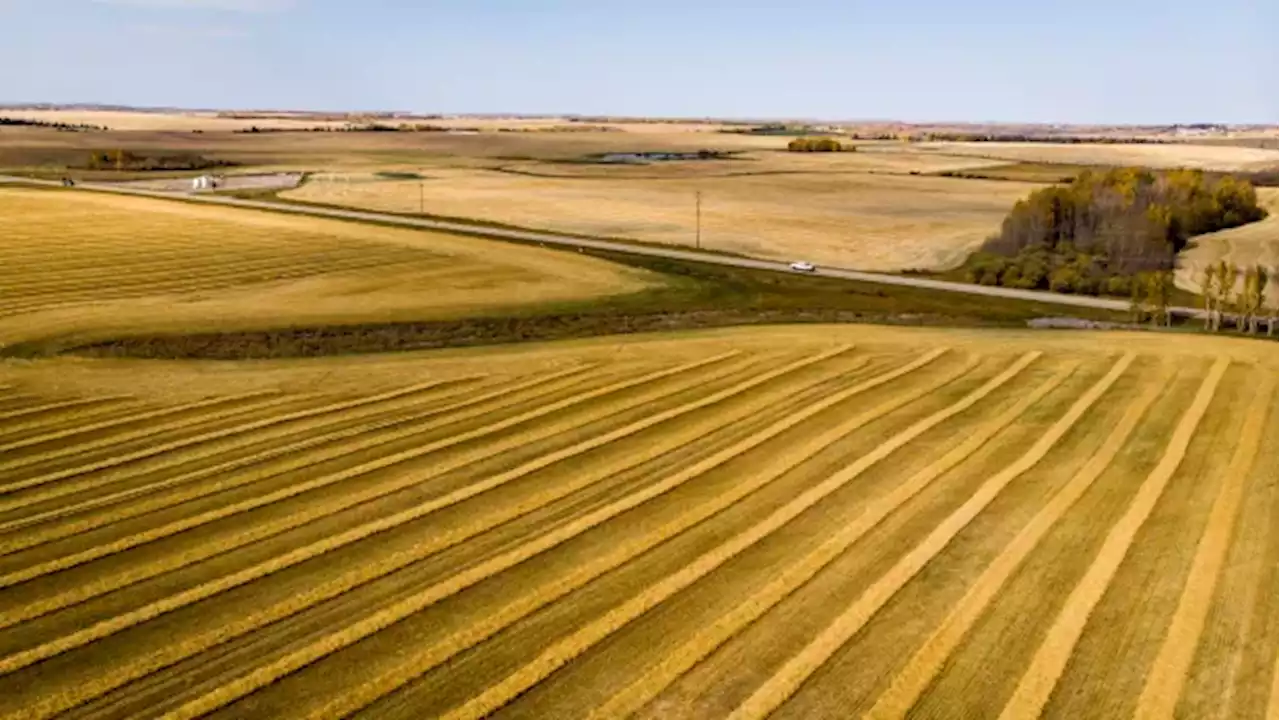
(73, 262)
(1163, 155)
(793, 523)
(830, 211)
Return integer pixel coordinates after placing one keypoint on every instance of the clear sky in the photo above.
(1109, 61)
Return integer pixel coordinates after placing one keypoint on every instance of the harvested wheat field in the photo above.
(175, 121)
(855, 219)
(1246, 246)
(1167, 155)
(76, 262)
(777, 163)
(825, 522)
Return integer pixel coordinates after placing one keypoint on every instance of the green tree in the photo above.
(1226, 274)
(1065, 279)
(1137, 297)
(1271, 304)
(1117, 285)
(1208, 278)
(1263, 280)
(1158, 294)
(1231, 297)
(1253, 298)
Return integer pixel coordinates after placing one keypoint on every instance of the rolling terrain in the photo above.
(823, 521)
(784, 522)
(79, 263)
(1249, 245)
(1163, 155)
(850, 219)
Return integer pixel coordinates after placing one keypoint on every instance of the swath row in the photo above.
(491, 546)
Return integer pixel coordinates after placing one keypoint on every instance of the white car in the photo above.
(802, 266)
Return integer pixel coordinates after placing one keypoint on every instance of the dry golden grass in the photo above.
(854, 219)
(161, 121)
(74, 262)
(1040, 678)
(210, 121)
(924, 665)
(786, 680)
(1207, 157)
(1246, 246)
(779, 164)
(531, 530)
(1169, 671)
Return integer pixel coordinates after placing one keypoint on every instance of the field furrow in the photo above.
(325, 543)
(40, 275)
(185, 267)
(74, 444)
(11, 429)
(162, 456)
(791, 521)
(920, 670)
(269, 470)
(603, 477)
(202, 282)
(365, 413)
(704, 641)
(1235, 656)
(74, 592)
(795, 671)
(578, 642)
(561, 534)
(1164, 683)
(182, 263)
(682, 519)
(1039, 680)
(1155, 570)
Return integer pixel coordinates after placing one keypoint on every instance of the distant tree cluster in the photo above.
(364, 127)
(774, 129)
(61, 126)
(1100, 234)
(123, 160)
(818, 144)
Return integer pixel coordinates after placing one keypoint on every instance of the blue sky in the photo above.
(1114, 61)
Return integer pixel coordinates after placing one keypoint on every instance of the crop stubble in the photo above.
(444, 535)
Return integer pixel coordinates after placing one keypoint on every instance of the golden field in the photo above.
(819, 522)
(123, 120)
(806, 521)
(78, 263)
(179, 121)
(1170, 155)
(852, 219)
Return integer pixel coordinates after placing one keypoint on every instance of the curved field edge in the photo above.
(147, 265)
(693, 296)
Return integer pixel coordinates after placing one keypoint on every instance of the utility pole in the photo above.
(421, 200)
(697, 238)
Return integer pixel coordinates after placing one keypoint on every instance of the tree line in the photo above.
(123, 160)
(819, 144)
(1248, 305)
(1101, 233)
(61, 126)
